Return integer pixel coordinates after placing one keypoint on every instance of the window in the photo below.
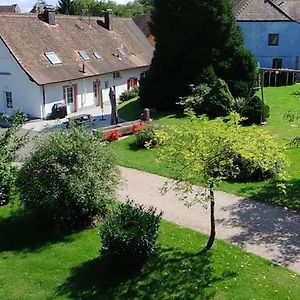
(116, 75)
(277, 63)
(53, 58)
(68, 94)
(8, 99)
(95, 88)
(273, 39)
(84, 55)
(142, 75)
(97, 55)
(106, 84)
(120, 53)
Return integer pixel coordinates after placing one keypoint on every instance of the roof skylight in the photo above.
(84, 55)
(97, 55)
(53, 58)
(120, 53)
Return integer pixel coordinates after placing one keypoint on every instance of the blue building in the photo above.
(271, 31)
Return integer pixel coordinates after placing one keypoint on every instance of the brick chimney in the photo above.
(108, 19)
(49, 15)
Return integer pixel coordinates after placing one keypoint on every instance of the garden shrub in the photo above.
(70, 179)
(130, 232)
(250, 171)
(10, 143)
(127, 95)
(219, 101)
(214, 101)
(147, 137)
(254, 110)
(195, 100)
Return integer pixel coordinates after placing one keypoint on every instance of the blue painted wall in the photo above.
(256, 40)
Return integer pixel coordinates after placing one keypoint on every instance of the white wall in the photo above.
(85, 93)
(26, 95)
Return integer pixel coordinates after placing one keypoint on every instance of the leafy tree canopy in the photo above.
(207, 152)
(97, 8)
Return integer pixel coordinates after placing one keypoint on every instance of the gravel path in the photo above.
(268, 231)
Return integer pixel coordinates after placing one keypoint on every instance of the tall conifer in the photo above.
(193, 38)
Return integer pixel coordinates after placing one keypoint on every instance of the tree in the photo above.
(207, 152)
(66, 7)
(73, 178)
(97, 8)
(192, 37)
(10, 143)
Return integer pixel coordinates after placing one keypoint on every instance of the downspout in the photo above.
(84, 94)
(44, 102)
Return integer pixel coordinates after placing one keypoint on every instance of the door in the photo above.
(98, 100)
(277, 63)
(70, 98)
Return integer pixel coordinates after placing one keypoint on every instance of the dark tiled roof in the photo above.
(142, 21)
(238, 5)
(28, 38)
(262, 10)
(14, 8)
(291, 7)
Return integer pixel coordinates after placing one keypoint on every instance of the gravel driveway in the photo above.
(268, 231)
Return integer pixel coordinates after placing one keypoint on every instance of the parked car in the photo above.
(59, 110)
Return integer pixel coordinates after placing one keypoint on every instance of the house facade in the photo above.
(271, 31)
(49, 59)
(14, 9)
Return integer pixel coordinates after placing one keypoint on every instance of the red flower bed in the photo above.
(113, 135)
(137, 127)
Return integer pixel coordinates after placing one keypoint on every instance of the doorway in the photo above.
(98, 99)
(70, 98)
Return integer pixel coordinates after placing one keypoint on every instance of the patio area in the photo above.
(102, 119)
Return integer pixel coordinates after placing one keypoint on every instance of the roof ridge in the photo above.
(59, 16)
(246, 4)
(279, 9)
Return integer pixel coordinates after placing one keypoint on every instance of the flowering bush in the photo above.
(113, 135)
(137, 127)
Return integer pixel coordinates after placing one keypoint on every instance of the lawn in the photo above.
(36, 264)
(280, 100)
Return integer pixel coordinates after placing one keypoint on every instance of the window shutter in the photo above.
(135, 81)
(128, 85)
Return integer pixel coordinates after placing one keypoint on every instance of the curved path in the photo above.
(268, 231)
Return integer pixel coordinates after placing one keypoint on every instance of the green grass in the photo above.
(280, 100)
(39, 265)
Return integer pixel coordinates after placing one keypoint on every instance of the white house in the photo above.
(49, 58)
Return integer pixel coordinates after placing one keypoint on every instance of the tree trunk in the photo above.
(212, 221)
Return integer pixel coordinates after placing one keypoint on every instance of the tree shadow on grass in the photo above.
(22, 231)
(269, 193)
(132, 110)
(168, 274)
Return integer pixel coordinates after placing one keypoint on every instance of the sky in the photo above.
(26, 5)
